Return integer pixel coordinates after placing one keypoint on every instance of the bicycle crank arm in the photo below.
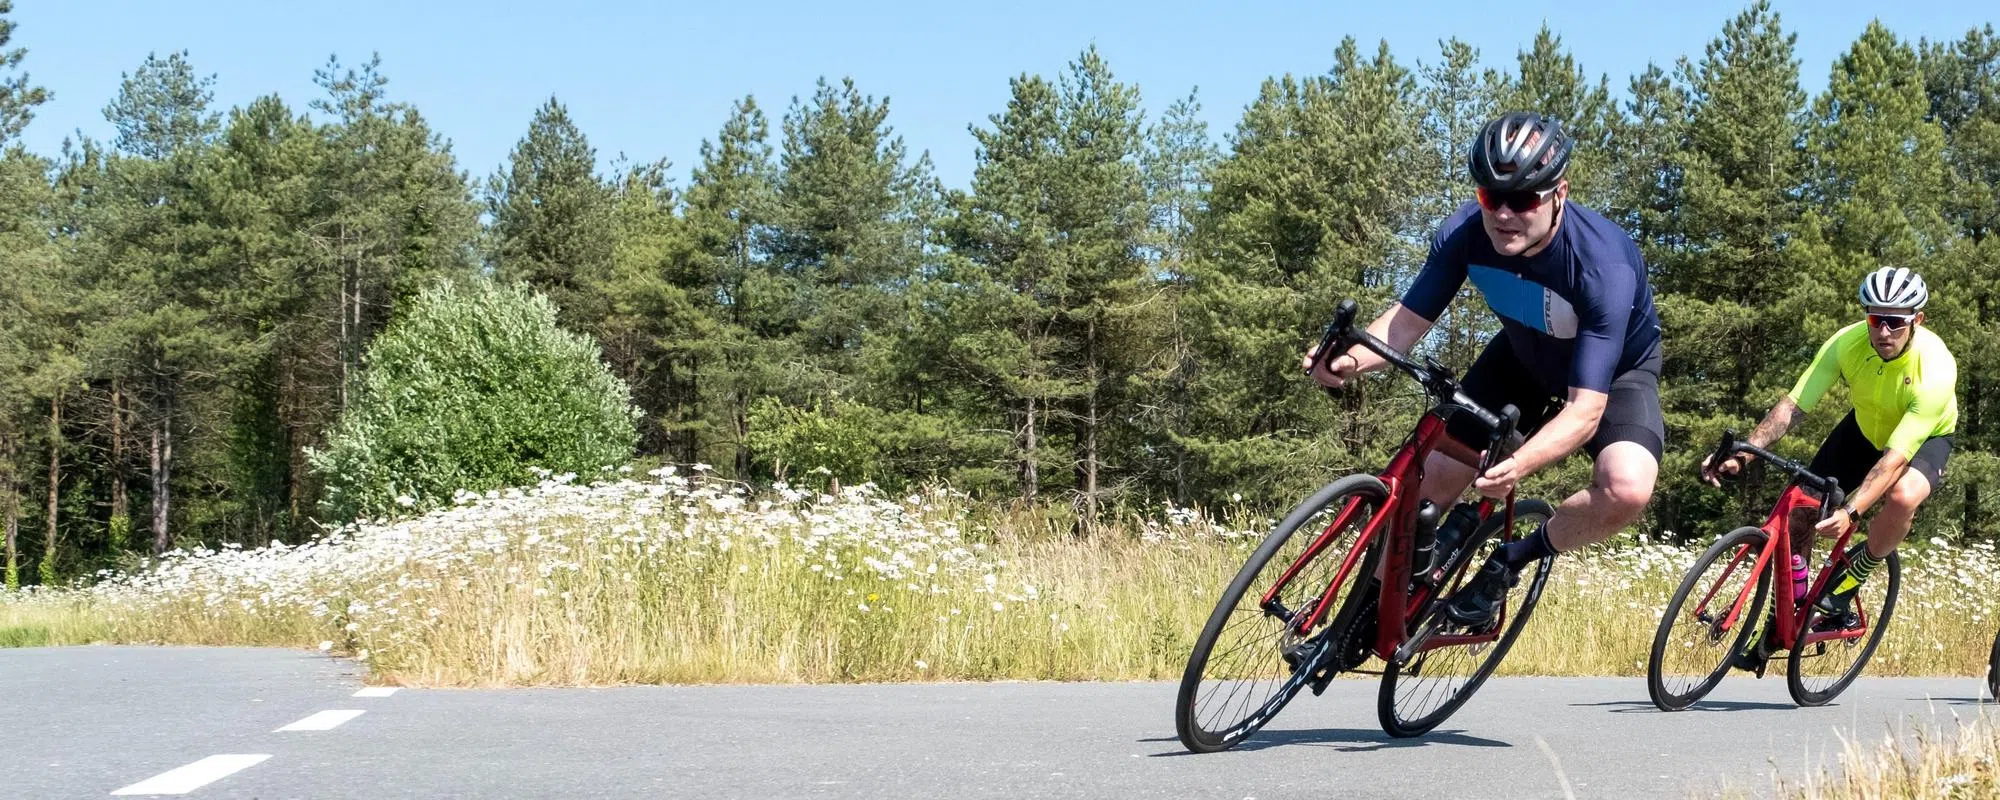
(1414, 645)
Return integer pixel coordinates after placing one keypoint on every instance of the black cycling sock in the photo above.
(1533, 547)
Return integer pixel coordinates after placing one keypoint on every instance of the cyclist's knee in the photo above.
(1908, 493)
(1627, 478)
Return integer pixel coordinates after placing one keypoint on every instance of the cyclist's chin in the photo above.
(1509, 243)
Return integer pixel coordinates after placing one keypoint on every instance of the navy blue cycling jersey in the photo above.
(1578, 313)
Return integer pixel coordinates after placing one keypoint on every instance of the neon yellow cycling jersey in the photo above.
(1899, 403)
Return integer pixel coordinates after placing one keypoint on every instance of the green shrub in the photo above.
(473, 388)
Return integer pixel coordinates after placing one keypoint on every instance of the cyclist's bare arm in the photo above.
(1564, 433)
(1781, 419)
(1777, 423)
(1887, 471)
(1400, 327)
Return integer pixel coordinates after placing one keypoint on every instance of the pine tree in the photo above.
(38, 366)
(158, 336)
(1551, 83)
(1003, 233)
(1727, 289)
(1320, 200)
(1962, 80)
(18, 94)
(1456, 100)
(729, 207)
(846, 230)
(21, 258)
(1877, 158)
(263, 190)
(1176, 162)
(550, 212)
(658, 309)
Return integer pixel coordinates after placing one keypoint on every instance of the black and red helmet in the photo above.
(1520, 152)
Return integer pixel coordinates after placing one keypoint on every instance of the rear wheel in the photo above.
(1416, 696)
(1697, 633)
(1249, 660)
(1821, 670)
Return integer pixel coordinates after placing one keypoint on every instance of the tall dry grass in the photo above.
(693, 580)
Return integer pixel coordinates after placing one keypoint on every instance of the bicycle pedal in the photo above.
(1320, 680)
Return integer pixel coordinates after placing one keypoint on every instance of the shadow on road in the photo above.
(1630, 706)
(1346, 740)
(1956, 701)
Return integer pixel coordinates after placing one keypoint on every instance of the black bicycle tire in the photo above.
(1662, 698)
(1186, 726)
(1877, 628)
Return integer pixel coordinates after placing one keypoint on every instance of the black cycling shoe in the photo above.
(1478, 604)
(1836, 612)
(1754, 658)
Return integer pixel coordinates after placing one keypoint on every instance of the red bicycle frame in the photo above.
(1778, 550)
(1404, 479)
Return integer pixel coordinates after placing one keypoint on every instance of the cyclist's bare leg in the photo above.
(1891, 524)
(1621, 485)
(1445, 478)
(1447, 471)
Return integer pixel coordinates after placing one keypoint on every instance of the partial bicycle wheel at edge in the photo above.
(1416, 697)
(1237, 677)
(1819, 672)
(1692, 648)
(1993, 670)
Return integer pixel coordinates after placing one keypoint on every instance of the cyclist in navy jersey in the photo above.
(1578, 351)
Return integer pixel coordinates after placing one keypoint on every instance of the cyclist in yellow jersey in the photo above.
(1893, 446)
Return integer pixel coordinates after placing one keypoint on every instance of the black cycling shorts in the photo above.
(1497, 377)
(1847, 456)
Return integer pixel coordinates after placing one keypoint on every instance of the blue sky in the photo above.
(652, 80)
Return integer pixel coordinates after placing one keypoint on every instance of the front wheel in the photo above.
(1250, 660)
(1820, 671)
(1417, 696)
(1710, 618)
(1993, 671)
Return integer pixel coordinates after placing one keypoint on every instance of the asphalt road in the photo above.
(91, 721)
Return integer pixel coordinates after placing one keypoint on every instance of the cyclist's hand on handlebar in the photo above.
(1336, 372)
(1713, 473)
(1834, 524)
(1499, 480)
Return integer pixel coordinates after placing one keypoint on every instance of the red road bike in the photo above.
(1310, 604)
(1720, 602)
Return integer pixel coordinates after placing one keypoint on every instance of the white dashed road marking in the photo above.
(376, 691)
(322, 721)
(182, 780)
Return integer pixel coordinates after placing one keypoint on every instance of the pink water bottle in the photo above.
(1798, 578)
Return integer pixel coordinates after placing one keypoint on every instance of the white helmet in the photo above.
(1894, 287)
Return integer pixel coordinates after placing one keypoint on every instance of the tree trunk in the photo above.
(1090, 429)
(288, 423)
(742, 414)
(1030, 480)
(49, 546)
(340, 393)
(121, 504)
(10, 503)
(163, 465)
(690, 414)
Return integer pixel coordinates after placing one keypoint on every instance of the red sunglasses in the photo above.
(1518, 202)
(1891, 322)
